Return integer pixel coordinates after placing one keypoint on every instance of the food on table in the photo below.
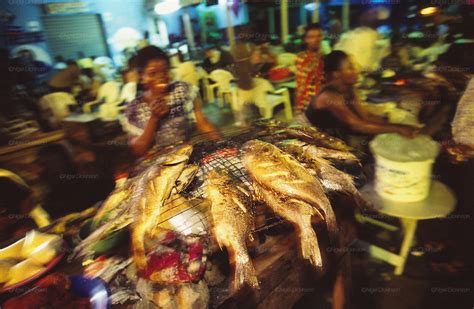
(157, 191)
(53, 291)
(291, 191)
(185, 178)
(37, 242)
(23, 271)
(331, 178)
(233, 224)
(5, 266)
(312, 151)
(188, 295)
(185, 216)
(13, 251)
(312, 135)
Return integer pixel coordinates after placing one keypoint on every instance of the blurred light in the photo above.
(429, 11)
(167, 7)
(311, 6)
(400, 82)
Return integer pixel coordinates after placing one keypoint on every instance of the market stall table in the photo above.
(439, 203)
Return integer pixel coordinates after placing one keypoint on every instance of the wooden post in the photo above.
(345, 14)
(315, 18)
(284, 20)
(230, 27)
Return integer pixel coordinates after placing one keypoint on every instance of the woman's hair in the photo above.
(149, 53)
(333, 61)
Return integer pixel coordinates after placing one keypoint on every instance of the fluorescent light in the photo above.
(429, 11)
(310, 6)
(167, 7)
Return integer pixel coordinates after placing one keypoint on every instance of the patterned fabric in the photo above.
(174, 127)
(309, 77)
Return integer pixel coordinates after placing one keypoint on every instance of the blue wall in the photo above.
(115, 14)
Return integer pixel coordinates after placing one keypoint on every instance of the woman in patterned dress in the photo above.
(164, 113)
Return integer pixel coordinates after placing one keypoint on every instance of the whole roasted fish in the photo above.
(312, 135)
(291, 191)
(157, 191)
(119, 216)
(331, 178)
(311, 151)
(233, 223)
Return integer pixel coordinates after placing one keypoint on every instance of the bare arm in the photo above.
(335, 104)
(142, 143)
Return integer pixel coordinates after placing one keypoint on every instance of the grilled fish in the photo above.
(309, 150)
(291, 191)
(121, 216)
(185, 178)
(331, 178)
(233, 222)
(157, 191)
(312, 135)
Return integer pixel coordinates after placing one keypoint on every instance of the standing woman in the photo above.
(162, 115)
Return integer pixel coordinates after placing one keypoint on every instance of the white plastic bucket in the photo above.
(403, 181)
(403, 166)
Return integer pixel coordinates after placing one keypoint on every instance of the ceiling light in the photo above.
(167, 7)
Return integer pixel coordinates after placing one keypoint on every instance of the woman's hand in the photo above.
(407, 131)
(159, 109)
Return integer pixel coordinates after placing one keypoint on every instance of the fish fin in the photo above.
(309, 247)
(239, 203)
(244, 274)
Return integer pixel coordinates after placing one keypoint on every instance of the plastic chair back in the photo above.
(222, 78)
(109, 92)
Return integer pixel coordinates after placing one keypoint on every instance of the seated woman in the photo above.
(162, 116)
(337, 110)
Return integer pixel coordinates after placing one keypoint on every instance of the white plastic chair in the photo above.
(55, 106)
(187, 72)
(108, 93)
(128, 92)
(222, 80)
(266, 98)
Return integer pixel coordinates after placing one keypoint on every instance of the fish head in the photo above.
(181, 155)
(256, 148)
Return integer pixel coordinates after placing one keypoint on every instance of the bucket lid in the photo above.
(401, 149)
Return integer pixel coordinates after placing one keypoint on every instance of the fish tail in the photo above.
(309, 244)
(244, 274)
(138, 247)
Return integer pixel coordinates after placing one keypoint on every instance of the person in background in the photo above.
(64, 80)
(162, 115)
(18, 214)
(90, 84)
(399, 57)
(262, 60)
(131, 80)
(217, 58)
(309, 67)
(29, 71)
(336, 108)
